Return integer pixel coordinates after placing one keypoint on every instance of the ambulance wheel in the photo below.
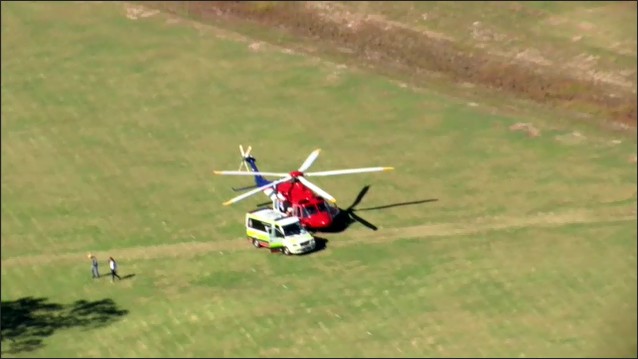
(256, 243)
(287, 251)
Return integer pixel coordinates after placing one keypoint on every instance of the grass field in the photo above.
(111, 128)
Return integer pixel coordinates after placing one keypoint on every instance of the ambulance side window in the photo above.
(278, 233)
(258, 225)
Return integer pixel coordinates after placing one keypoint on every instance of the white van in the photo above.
(271, 229)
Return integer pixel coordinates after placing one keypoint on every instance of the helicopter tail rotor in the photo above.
(244, 155)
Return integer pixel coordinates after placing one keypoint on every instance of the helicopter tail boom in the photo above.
(251, 166)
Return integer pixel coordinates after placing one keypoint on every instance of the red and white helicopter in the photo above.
(293, 194)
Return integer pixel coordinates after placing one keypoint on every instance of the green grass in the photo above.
(111, 129)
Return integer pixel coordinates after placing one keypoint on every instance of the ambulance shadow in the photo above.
(320, 245)
(347, 216)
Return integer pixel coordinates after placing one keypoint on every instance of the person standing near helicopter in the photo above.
(282, 203)
(281, 206)
(289, 212)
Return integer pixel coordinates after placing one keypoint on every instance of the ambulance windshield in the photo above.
(292, 229)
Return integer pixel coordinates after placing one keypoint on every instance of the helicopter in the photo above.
(292, 194)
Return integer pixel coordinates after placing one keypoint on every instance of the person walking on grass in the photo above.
(113, 266)
(94, 271)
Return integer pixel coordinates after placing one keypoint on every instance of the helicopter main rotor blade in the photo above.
(308, 162)
(349, 171)
(256, 190)
(243, 173)
(316, 189)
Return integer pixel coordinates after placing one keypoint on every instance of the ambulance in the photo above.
(272, 229)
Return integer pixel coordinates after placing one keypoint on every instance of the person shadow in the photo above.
(108, 275)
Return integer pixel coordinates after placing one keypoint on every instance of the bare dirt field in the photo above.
(395, 47)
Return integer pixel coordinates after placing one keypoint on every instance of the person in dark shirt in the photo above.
(94, 272)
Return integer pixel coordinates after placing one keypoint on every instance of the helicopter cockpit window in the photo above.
(310, 210)
(322, 207)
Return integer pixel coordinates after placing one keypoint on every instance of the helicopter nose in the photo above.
(324, 221)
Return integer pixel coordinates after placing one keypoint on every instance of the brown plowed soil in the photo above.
(413, 52)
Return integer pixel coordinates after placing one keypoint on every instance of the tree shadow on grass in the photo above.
(27, 321)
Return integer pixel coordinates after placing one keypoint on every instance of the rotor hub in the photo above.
(295, 174)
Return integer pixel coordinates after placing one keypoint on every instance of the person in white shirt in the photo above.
(113, 266)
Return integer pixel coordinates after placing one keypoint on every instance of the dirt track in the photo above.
(350, 237)
(417, 54)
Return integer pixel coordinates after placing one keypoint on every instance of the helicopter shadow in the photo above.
(348, 217)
